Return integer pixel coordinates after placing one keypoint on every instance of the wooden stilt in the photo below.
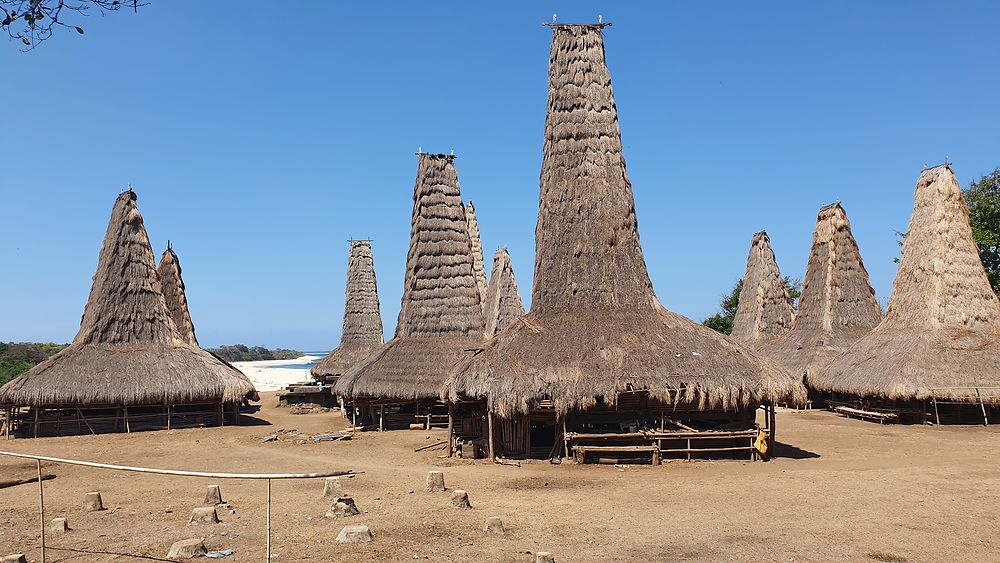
(41, 508)
(565, 439)
(36, 421)
(451, 430)
(236, 413)
(381, 417)
(489, 422)
(937, 415)
(982, 405)
(169, 408)
(354, 416)
(222, 415)
(771, 433)
(128, 427)
(80, 414)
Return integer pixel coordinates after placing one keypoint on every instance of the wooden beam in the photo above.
(489, 421)
(451, 430)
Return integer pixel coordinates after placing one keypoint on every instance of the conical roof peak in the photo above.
(476, 243)
(503, 301)
(765, 309)
(175, 294)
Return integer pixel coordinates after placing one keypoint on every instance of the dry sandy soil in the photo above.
(840, 490)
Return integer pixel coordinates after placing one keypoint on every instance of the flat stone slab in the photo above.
(59, 525)
(355, 534)
(494, 526)
(92, 502)
(435, 482)
(187, 549)
(333, 488)
(214, 495)
(204, 515)
(460, 499)
(544, 557)
(15, 558)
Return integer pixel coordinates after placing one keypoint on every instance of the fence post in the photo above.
(268, 521)
(41, 508)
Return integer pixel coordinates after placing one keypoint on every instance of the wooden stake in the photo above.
(451, 430)
(381, 415)
(986, 420)
(41, 508)
(268, 520)
(565, 439)
(489, 421)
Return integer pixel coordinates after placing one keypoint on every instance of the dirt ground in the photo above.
(840, 490)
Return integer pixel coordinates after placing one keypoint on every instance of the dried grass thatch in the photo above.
(441, 314)
(128, 350)
(837, 305)
(362, 333)
(172, 285)
(765, 310)
(596, 327)
(942, 326)
(478, 268)
(503, 301)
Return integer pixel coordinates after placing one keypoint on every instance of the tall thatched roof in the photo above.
(128, 350)
(503, 302)
(837, 305)
(362, 333)
(441, 316)
(765, 309)
(942, 326)
(477, 251)
(595, 327)
(172, 285)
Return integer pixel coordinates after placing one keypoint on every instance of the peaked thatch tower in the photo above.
(172, 285)
(941, 333)
(596, 334)
(503, 302)
(362, 333)
(477, 251)
(440, 316)
(128, 352)
(765, 309)
(837, 305)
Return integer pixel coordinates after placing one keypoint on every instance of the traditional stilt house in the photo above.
(837, 305)
(440, 317)
(128, 367)
(362, 331)
(172, 285)
(477, 251)
(503, 302)
(598, 368)
(936, 355)
(765, 310)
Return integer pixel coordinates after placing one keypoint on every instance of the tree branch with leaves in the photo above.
(33, 21)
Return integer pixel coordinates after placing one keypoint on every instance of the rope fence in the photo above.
(174, 472)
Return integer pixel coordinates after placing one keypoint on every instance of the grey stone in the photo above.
(214, 495)
(435, 482)
(343, 506)
(187, 549)
(460, 499)
(15, 558)
(494, 526)
(333, 488)
(92, 502)
(355, 534)
(204, 515)
(59, 525)
(544, 557)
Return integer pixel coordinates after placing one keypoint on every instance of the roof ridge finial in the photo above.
(169, 246)
(600, 18)
(553, 18)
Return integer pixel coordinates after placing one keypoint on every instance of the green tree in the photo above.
(983, 199)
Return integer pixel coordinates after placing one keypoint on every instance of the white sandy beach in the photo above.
(268, 375)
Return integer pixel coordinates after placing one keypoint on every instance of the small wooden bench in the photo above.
(881, 417)
(581, 451)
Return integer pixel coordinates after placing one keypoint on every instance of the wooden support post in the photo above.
(565, 438)
(937, 415)
(982, 405)
(451, 430)
(489, 422)
(354, 415)
(80, 414)
(771, 423)
(41, 507)
(222, 415)
(169, 409)
(381, 418)
(128, 427)
(36, 421)
(236, 413)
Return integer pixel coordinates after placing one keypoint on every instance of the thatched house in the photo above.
(362, 332)
(128, 367)
(598, 366)
(503, 302)
(440, 317)
(937, 352)
(765, 310)
(172, 285)
(476, 242)
(837, 305)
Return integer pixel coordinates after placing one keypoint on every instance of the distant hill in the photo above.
(18, 357)
(244, 353)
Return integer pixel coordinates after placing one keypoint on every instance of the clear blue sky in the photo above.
(260, 140)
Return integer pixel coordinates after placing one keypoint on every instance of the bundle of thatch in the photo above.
(942, 327)
(172, 285)
(765, 309)
(362, 333)
(128, 351)
(596, 328)
(479, 269)
(837, 305)
(503, 302)
(440, 317)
